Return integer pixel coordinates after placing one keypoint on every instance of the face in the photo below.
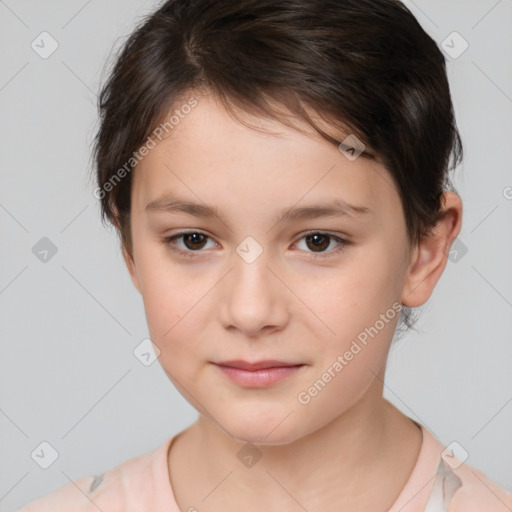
(310, 288)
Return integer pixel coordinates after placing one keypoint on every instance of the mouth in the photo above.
(258, 374)
(257, 365)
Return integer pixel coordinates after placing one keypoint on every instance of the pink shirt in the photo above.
(143, 483)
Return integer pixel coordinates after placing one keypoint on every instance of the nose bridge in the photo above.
(251, 279)
(253, 299)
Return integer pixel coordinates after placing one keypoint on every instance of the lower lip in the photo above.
(258, 378)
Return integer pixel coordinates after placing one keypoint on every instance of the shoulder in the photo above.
(119, 489)
(454, 486)
(477, 492)
(75, 496)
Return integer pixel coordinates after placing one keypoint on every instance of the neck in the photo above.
(371, 442)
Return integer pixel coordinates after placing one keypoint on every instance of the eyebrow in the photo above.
(335, 208)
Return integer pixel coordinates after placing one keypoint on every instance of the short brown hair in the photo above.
(366, 66)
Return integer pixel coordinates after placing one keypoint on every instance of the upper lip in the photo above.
(257, 365)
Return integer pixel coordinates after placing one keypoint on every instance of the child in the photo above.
(278, 175)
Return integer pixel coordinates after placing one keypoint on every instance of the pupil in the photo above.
(318, 238)
(196, 238)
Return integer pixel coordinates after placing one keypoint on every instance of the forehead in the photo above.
(209, 156)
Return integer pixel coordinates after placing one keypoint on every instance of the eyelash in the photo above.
(168, 241)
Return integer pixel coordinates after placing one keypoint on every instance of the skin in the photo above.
(285, 305)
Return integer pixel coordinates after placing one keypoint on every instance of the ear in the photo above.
(431, 254)
(132, 269)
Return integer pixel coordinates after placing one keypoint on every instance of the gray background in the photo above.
(69, 326)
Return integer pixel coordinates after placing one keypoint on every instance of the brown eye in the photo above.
(318, 241)
(187, 243)
(194, 241)
(317, 244)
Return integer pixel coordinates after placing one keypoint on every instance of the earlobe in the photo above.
(132, 269)
(431, 255)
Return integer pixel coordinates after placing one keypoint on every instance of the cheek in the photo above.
(343, 301)
(165, 294)
(169, 310)
(356, 312)
(181, 306)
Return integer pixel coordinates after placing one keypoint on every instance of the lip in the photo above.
(259, 374)
(257, 365)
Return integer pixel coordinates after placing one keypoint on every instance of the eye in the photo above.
(193, 241)
(319, 241)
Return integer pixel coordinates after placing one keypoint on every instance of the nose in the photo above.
(254, 300)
